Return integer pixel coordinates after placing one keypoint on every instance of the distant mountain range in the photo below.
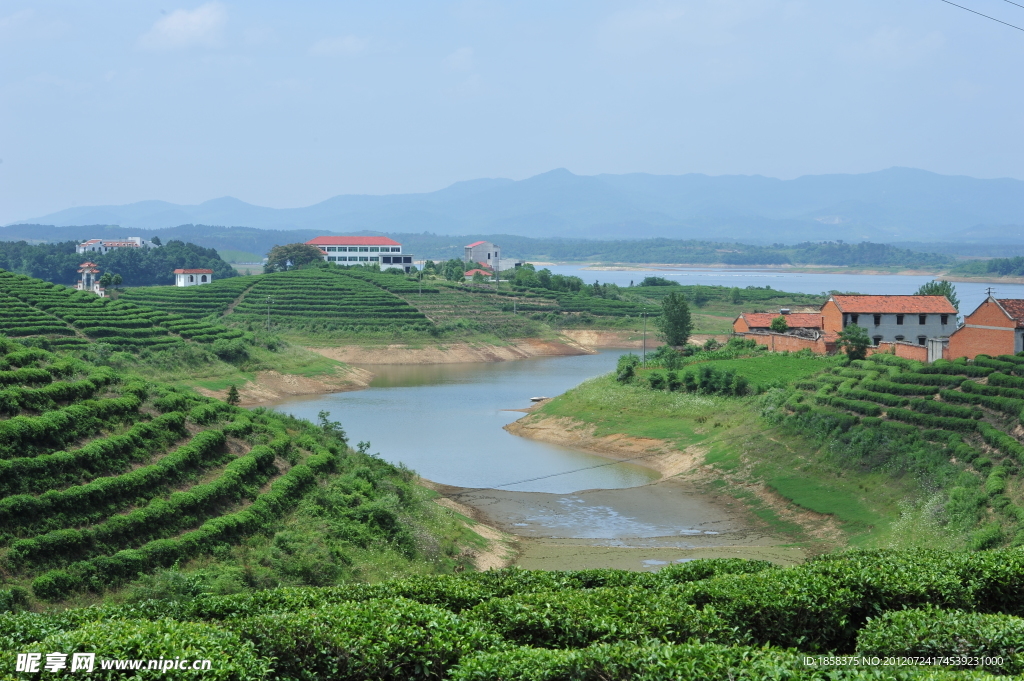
(898, 204)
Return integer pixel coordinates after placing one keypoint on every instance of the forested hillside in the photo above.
(59, 263)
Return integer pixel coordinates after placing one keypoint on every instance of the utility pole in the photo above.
(645, 338)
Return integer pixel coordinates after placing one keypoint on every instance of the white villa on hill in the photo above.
(101, 246)
(352, 250)
(192, 277)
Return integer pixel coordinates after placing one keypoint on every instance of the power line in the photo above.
(985, 15)
(1014, 3)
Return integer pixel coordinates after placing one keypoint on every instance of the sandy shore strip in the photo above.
(273, 386)
(453, 353)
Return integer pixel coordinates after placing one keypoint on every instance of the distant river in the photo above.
(971, 294)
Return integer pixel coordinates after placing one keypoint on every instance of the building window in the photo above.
(878, 321)
(364, 249)
(331, 258)
(387, 259)
(203, 278)
(877, 339)
(191, 278)
(363, 258)
(944, 319)
(854, 318)
(899, 338)
(396, 249)
(332, 249)
(922, 319)
(353, 258)
(374, 249)
(374, 258)
(921, 340)
(407, 259)
(899, 319)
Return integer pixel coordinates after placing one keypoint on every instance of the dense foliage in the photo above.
(1003, 267)
(704, 619)
(59, 263)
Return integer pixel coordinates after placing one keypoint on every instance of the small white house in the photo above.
(192, 277)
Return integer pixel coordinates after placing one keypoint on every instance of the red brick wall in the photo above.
(904, 350)
(778, 342)
(740, 326)
(970, 342)
(831, 317)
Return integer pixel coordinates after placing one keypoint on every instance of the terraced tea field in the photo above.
(68, 318)
(103, 478)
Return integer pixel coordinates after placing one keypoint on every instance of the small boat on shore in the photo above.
(538, 399)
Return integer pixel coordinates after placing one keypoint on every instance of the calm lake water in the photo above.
(445, 422)
(971, 294)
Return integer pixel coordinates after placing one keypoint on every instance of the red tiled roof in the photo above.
(352, 241)
(759, 320)
(483, 272)
(894, 304)
(192, 271)
(476, 243)
(1013, 307)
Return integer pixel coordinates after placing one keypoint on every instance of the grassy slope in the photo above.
(742, 449)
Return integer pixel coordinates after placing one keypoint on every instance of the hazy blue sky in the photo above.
(286, 104)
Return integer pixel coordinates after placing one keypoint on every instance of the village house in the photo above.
(101, 246)
(996, 327)
(484, 253)
(353, 250)
(762, 321)
(193, 277)
(891, 319)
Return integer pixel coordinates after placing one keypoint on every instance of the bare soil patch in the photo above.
(271, 386)
(453, 353)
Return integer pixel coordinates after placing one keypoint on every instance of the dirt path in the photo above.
(453, 353)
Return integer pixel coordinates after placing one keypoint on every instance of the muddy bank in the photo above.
(638, 528)
(502, 548)
(271, 386)
(453, 353)
(627, 340)
(658, 455)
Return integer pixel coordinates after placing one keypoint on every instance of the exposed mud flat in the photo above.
(638, 528)
(454, 353)
(271, 386)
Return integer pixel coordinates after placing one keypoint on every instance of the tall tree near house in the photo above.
(674, 323)
(779, 324)
(298, 254)
(940, 288)
(854, 341)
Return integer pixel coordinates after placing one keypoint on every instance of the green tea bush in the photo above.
(932, 632)
(231, 658)
(1005, 381)
(390, 640)
(944, 409)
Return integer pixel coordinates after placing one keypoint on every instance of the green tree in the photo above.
(735, 296)
(233, 397)
(298, 254)
(780, 325)
(106, 279)
(674, 323)
(156, 241)
(854, 341)
(477, 277)
(116, 280)
(940, 288)
(454, 270)
(700, 296)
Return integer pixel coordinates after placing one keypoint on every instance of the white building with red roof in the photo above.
(101, 246)
(484, 253)
(888, 319)
(192, 277)
(363, 250)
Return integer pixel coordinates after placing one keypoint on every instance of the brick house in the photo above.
(891, 319)
(996, 327)
(762, 321)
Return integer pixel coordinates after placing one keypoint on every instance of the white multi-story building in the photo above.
(484, 253)
(354, 250)
(101, 246)
(194, 277)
